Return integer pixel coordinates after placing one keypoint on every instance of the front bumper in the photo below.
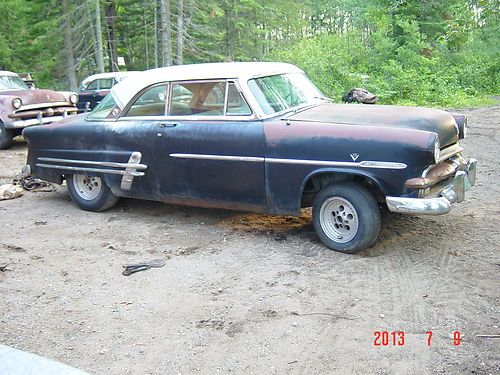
(440, 197)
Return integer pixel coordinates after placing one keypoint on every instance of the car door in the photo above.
(210, 148)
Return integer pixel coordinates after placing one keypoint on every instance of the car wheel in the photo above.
(6, 137)
(90, 193)
(346, 217)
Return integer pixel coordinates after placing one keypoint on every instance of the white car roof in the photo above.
(119, 75)
(126, 90)
(7, 73)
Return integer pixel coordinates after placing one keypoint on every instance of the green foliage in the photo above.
(427, 52)
(400, 62)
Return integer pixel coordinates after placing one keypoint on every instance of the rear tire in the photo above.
(6, 137)
(346, 217)
(90, 193)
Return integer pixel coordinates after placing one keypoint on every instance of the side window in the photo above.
(92, 85)
(150, 103)
(236, 104)
(207, 98)
(197, 98)
(105, 84)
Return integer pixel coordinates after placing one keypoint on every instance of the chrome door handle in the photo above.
(167, 124)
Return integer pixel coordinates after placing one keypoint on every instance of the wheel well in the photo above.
(318, 181)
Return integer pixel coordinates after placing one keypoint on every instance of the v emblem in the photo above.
(354, 156)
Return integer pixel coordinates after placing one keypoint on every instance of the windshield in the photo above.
(280, 92)
(107, 109)
(12, 83)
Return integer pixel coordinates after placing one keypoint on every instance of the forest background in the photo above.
(442, 53)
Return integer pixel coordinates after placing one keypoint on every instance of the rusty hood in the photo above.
(427, 119)
(36, 96)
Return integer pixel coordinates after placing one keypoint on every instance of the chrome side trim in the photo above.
(134, 165)
(362, 164)
(382, 164)
(218, 157)
(129, 172)
(93, 170)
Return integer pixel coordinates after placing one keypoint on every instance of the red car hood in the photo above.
(427, 119)
(36, 96)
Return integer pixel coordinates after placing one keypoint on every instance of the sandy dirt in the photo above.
(248, 294)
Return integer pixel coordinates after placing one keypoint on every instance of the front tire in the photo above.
(346, 217)
(90, 193)
(6, 137)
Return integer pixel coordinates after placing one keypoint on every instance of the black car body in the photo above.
(257, 137)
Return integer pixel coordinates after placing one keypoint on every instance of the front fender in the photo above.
(285, 183)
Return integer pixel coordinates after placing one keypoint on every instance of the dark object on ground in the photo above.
(136, 267)
(33, 184)
(227, 135)
(360, 96)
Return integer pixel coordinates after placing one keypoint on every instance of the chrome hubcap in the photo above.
(87, 187)
(339, 219)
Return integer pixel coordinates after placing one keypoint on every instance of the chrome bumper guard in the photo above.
(440, 197)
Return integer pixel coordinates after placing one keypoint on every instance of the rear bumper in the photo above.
(440, 197)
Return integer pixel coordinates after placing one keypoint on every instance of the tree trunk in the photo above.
(180, 33)
(146, 39)
(110, 12)
(155, 35)
(166, 32)
(98, 31)
(68, 48)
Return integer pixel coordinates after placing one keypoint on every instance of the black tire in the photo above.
(93, 195)
(6, 137)
(349, 211)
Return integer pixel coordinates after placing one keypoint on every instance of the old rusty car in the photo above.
(21, 106)
(258, 137)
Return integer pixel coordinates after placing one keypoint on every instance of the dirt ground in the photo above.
(248, 294)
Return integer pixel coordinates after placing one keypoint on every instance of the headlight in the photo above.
(437, 148)
(17, 103)
(73, 98)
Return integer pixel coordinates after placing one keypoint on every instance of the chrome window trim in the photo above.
(187, 119)
(226, 90)
(362, 164)
(231, 118)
